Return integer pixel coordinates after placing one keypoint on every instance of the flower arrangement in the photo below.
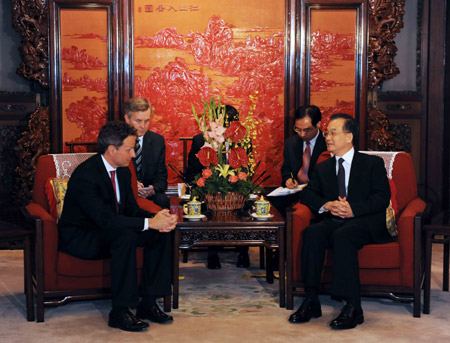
(228, 168)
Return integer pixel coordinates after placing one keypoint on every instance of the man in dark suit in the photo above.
(101, 219)
(300, 154)
(351, 192)
(150, 161)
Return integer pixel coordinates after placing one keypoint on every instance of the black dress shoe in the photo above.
(307, 310)
(243, 260)
(153, 313)
(348, 319)
(125, 320)
(213, 262)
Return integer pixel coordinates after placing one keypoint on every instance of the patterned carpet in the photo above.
(229, 291)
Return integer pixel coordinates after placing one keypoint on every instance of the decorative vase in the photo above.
(232, 201)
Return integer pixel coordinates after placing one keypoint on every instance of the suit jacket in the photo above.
(90, 202)
(194, 166)
(368, 191)
(154, 169)
(293, 156)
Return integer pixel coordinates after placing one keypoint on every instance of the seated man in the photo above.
(300, 154)
(101, 219)
(150, 161)
(194, 168)
(351, 192)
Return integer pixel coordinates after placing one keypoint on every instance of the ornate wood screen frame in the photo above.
(303, 52)
(114, 68)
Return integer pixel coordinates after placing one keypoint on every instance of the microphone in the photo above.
(243, 213)
(180, 174)
(259, 176)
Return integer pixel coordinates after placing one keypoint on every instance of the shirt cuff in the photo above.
(145, 224)
(322, 210)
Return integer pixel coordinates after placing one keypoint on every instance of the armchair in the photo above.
(59, 278)
(393, 270)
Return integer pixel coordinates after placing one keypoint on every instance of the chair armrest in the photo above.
(46, 244)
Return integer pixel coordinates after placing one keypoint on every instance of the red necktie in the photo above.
(113, 181)
(302, 175)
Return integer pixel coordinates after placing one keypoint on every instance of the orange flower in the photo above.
(201, 182)
(242, 176)
(233, 178)
(206, 173)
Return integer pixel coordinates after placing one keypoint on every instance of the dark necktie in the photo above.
(341, 179)
(138, 160)
(302, 174)
(113, 181)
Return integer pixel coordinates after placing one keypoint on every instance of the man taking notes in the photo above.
(300, 154)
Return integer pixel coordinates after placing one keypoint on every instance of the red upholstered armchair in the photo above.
(392, 270)
(58, 277)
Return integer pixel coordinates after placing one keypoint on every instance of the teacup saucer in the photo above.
(265, 217)
(193, 218)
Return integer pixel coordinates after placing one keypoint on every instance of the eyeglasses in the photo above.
(306, 131)
(332, 133)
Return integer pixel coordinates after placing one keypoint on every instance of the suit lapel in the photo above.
(331, 177)
(355, 174)
(318, 148)
(105, 178)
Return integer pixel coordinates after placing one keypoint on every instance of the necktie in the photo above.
(341, 179)
(113, 181)
(302, 175)
(138, 160)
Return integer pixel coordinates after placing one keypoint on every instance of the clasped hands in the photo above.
(163, 221)
(339, 208)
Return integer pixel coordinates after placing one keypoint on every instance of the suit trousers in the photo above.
(345, 238)
(120, 246)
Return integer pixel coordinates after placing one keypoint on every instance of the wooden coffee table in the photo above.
(230, 229)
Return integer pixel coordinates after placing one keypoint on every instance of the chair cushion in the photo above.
(55, 191)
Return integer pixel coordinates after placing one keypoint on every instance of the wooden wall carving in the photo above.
(30, 19)
(385, 21)
(35, 142)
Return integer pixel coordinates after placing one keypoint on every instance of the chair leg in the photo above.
(446, 265)
(289, 298)
(185, 256)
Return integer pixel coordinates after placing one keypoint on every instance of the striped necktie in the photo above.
(302, 175)
(138, 160)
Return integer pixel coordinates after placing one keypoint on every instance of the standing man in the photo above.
(101, 219)
(351, 192)
(150, 161)
(300, 154)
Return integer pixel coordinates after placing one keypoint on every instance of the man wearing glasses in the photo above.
(300, 154)
(350, 193)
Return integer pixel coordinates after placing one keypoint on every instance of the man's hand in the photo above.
(163, 221)
(339, 208)
(291, 183)
(145, 193)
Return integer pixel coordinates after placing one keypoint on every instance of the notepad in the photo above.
(283, 191)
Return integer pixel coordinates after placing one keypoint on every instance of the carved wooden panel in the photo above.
(34, 143)
(30, 19)
(385, 21)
